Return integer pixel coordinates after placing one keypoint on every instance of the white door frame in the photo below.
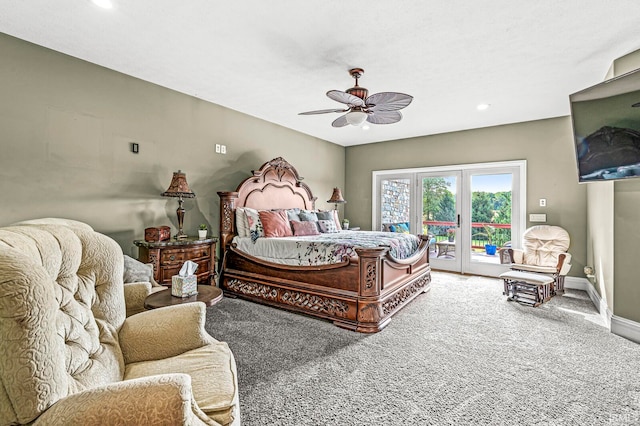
(519, 208)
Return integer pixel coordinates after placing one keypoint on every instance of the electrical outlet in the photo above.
(223, 149)
(543, 202)
(217, 148)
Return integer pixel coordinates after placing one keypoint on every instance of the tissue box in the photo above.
(184, 286)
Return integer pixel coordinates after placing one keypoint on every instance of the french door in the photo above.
(469, 210)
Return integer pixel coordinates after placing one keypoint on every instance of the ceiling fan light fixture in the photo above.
(379, 108)
(356, 118)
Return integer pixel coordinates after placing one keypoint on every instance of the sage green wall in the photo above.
(65, 129)
(547, 145)
(626, 207)
(600, 238)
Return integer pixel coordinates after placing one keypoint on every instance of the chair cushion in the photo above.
(213, 377)
(534, 268)
(543, 243)
(526, 277)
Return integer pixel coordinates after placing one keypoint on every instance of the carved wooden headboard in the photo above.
(276, 185)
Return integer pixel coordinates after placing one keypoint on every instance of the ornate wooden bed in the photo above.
(361, 293)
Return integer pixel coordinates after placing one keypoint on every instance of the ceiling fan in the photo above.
(379, 108)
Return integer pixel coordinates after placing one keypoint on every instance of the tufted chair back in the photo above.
(543, 244)
(61, 307)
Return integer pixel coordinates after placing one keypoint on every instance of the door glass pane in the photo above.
(490, 216)
(395, 205)
(439, 217)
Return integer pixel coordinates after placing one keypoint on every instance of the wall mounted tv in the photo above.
(606, 127)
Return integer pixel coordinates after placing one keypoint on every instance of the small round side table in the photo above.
(208, 294)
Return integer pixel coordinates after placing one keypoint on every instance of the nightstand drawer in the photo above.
(202, 272)
(180, 256)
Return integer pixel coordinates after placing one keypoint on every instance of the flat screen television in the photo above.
(606, 128)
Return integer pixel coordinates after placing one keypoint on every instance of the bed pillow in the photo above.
(330, 215)
(336, 218)
(294, 214)
(275, 223)
(308, 215)
(328, 226)
(242, 226)
(255, 226)
(304, 228)
(402, 227)
(324, 215)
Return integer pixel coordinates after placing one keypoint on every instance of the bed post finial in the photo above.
(227, 219)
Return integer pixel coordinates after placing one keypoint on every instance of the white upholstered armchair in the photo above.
(69, 356)
(544, 251)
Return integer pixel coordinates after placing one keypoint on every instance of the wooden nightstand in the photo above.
(168, 256)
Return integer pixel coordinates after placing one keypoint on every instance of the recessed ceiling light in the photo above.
(365, 127)
(482, 107)
(105, 4)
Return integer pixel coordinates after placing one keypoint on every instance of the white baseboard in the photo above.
(618, 325)
(583, 284)
(625, 328)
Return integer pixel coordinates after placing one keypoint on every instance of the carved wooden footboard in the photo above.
(362, 293)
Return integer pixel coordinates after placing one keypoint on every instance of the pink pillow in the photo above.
(275, 223)
(304, 228)
(337, 219)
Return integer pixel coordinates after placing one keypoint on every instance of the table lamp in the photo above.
(179, 188)
(336, 198)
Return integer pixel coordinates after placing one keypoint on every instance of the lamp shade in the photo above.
(179, 186)
(336, 197)
(356, 118)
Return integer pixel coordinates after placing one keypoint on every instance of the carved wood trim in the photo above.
(315, 303)
(404, 295)
(309, 302)
(262, 291)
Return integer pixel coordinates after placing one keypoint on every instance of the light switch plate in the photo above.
(538, 217)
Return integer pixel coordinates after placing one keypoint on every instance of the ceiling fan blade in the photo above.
(387, 101)
(345, 98)
(322, 111)
(340, 121)
(384, 117)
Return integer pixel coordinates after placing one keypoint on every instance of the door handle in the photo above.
(458, 221)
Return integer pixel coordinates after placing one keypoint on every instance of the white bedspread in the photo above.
(326, 249)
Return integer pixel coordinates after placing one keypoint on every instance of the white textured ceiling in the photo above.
(274, 59)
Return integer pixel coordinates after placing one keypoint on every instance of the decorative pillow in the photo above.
(402, 227)
(392, 228)
(308, 215)
(137, 272)
(242, 226)
(336, 218)
(275, 223)
(324, 215)
(328, 226)
(330, 215)
(255, 226)
(293, 214)
(304, 228)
